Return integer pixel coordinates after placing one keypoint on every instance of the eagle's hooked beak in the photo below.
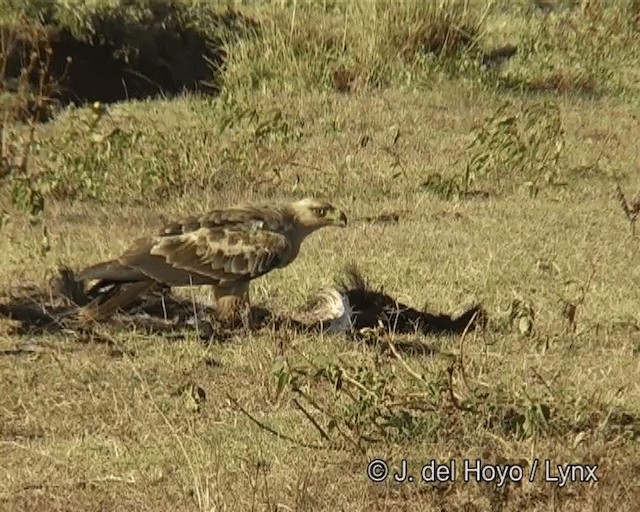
(339, 219)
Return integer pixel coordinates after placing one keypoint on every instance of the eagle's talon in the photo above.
(207, 332)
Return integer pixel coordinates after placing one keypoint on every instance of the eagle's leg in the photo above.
(233, 307)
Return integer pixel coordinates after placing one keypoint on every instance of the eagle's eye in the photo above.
(321, 212)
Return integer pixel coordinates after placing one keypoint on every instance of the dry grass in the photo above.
(502, 197)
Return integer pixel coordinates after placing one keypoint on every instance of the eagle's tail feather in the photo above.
(112, 272)
(118, 298)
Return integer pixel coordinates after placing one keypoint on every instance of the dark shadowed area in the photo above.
(117, 57)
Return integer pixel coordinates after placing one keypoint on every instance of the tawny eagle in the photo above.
(224, 248)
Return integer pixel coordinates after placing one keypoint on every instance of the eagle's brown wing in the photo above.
(223, 245)
(221, 256)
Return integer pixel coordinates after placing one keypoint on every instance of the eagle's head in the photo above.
(312, 214)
